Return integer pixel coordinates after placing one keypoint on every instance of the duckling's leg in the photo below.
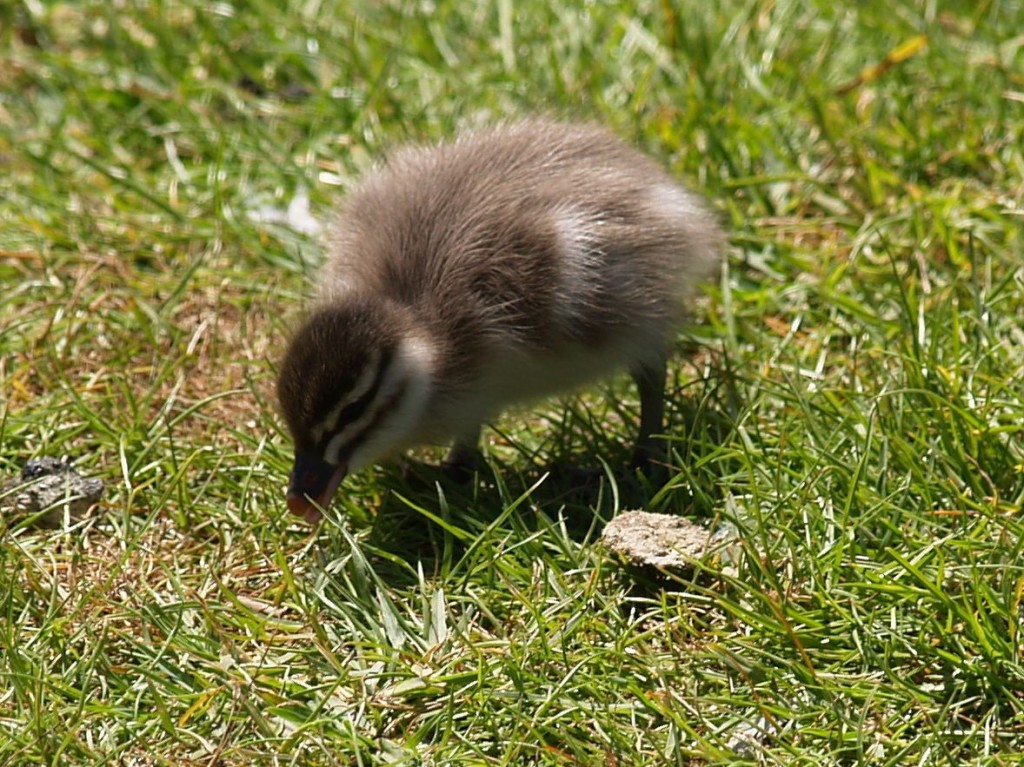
(650, 381)
(463, 457)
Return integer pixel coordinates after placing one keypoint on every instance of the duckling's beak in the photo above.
(313, 483)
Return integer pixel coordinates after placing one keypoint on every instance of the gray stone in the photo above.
(656, 540)
(49, 488)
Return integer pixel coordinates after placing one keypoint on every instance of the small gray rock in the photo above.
(748, 739)
(656, 540)
(51, 486)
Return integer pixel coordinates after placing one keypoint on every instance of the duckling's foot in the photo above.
(650, 461)
(462, 463)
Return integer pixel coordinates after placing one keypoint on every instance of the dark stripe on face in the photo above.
(352, 411)
(385, 408)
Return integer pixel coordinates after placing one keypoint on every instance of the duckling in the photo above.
(513, 263)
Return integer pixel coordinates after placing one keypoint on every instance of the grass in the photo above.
(850, 400)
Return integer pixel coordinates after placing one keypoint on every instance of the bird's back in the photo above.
(541, 231)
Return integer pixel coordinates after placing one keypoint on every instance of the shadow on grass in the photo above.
(426, 515)
(425, 519)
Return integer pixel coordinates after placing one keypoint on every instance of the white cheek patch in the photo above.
(394, 412)
(362, 385)
(339, 440)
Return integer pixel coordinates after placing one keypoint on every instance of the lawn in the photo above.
(847, 404)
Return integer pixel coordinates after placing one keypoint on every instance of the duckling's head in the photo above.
(352, 386)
